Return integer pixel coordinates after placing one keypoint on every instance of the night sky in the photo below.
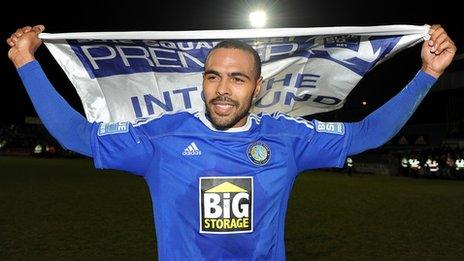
(87, 16)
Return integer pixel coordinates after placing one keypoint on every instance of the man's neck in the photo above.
(243, 126)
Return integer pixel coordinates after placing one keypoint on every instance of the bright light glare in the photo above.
(258, 19)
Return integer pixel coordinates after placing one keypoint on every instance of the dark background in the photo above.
(80, 16)
(65, 209)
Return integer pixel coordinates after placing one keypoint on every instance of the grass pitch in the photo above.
(64, 209)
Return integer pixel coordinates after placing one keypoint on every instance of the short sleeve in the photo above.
(321, 144)
(121, 146)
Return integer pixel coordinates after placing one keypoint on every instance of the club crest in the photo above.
(259, 153)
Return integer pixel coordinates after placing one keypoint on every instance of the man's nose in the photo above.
(223, 87)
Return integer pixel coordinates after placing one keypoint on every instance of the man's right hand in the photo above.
(24, 42)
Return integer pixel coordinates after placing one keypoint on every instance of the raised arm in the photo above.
(68, 127)
(382, 124)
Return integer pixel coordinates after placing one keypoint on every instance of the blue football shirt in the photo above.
(220, 194)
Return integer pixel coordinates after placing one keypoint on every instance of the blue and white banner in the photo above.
(122, 76)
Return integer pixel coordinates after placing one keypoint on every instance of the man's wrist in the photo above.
(431, 72)
(21, 59)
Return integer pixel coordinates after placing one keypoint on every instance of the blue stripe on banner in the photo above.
(102, 58)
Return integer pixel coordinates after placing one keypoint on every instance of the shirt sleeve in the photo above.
(65, 124)
(121, 146)
(385, 122)
(321, 144)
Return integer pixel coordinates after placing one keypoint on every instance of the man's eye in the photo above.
(211, 77)
(238, 80)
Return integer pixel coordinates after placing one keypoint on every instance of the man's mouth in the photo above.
(223, 108)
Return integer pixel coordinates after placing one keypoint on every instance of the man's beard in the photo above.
(224, 123)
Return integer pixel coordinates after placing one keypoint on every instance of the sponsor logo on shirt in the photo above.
(113, 128)
(226, 205)
(259, 153)
(330, 127)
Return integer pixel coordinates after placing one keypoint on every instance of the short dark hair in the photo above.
(237, 44)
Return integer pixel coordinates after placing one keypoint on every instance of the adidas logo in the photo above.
(191, 150)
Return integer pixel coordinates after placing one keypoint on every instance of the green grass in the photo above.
(64, 209)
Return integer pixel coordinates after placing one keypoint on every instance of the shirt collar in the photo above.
(204, 118)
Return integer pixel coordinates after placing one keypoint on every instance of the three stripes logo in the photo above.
(191, 150)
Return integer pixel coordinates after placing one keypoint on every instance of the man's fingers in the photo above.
(38, 28)
(13, 39)
(18, 32)
(433, 28)
(433, 36)
(10, 42)
(26, 29)
(446, 46)
(441, 38)
(440, 41)
(437, 34)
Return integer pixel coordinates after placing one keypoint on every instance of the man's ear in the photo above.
(259, 83)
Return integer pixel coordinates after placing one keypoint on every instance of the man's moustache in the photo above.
(224, 99)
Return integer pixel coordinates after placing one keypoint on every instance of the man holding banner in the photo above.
(220, 178)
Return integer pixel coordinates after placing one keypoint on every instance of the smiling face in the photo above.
(230, 82)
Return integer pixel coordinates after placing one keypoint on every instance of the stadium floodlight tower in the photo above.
(258, 19)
